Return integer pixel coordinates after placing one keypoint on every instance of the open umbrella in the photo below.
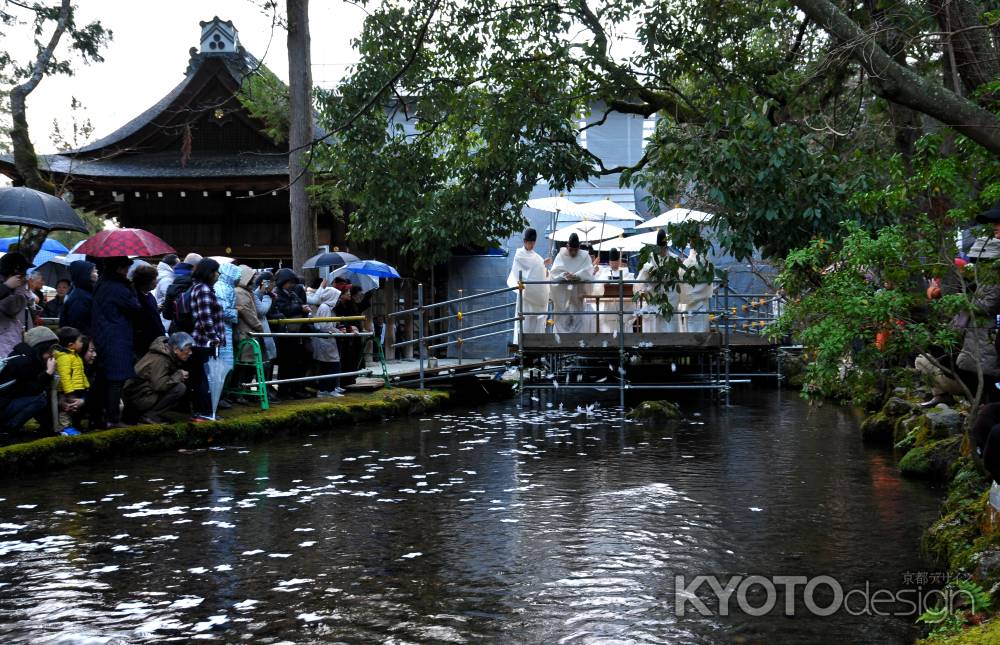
(51, 270)
(561, 206)
(222, 259)
(373, 268)
(675, 216)
(54, 246)
(329, 259)
(366, 282)
(28, 207)
(613, 212)
(216, 370)
(118, 242)
(587, 232)
(630, 244)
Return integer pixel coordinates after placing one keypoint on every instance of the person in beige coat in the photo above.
(247, 320)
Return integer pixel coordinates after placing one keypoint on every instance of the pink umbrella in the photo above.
(119, 242)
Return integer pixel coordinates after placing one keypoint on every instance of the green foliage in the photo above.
(966, 599)
(266, 98)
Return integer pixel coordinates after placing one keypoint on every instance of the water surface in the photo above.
(484, 525)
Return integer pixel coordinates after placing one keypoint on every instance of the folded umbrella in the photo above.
(216, 370)
(120, 242)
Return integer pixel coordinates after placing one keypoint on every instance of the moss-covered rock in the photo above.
(655, 411)
(931, 460)
(987, 633)
(878, 427)
(240, 424)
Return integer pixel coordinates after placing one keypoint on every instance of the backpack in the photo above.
(183, 318)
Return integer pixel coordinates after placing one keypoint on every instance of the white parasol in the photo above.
(676, 216)
(587, 231)
(631, 244)
(609, 210)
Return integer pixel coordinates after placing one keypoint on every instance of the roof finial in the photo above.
(218, 36)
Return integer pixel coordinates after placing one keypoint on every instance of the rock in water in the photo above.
(660, 411)
(946, 422)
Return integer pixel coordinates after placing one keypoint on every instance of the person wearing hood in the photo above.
(14, 300)
(573, 268)
(293, 356)
(225, 293)
(652, 320)
(164, 278)
(183, 272)
(248, 322)
(529, 266)
(27, 377)
(209, 334)
(77, 310)
(325, 350)
(116, 308)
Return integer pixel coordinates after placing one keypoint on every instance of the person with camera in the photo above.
(14, 299)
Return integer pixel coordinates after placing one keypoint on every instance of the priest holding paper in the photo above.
(529, 266)
(616, 269)
(574, 270)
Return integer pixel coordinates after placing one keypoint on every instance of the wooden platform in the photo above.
(651, 343)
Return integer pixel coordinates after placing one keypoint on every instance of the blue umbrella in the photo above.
(372, 268)
(54, 246)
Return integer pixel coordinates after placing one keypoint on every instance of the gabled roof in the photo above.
(151, 146)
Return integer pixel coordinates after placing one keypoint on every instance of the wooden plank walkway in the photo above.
(646, 343)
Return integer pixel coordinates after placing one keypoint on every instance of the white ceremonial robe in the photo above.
(575, 275)
(530, 266)
(652, 321)
(608, 324)
(695, 298)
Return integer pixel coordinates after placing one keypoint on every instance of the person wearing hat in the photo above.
(25, 381)
(14, 299)
(573, 269)
(529, 266)
(652, 320)
(616, 269)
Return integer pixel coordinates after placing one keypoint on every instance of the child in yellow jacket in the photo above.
(73, 383)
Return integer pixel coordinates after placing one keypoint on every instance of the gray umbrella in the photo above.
(28, 207)
(330, 259)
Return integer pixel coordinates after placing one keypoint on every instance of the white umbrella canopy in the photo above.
(560, 205)
(589, 231)
(631, 244)
(607, 209)
(676, 216)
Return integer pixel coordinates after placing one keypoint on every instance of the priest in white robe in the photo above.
(615, 269)
(652, 320)
(574, 270)
(694, 299)
(535, 297)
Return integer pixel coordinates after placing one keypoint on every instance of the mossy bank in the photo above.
(933, 444)
(243, 424)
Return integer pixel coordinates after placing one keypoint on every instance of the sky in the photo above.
(149, 53)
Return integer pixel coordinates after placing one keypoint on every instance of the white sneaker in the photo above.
(326, 394)
(335, 394)
(339, 390)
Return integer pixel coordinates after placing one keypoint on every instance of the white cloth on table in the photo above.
(530, 267)
(575, 275)
(609, 324)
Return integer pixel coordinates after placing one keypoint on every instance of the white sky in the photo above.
(149, 54)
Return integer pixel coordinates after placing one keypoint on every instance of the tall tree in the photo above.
(85, 41)
(300, 132)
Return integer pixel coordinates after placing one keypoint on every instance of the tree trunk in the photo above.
(25, 158)
(300, 132)
(900, 85)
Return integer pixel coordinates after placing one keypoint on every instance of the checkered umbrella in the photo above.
(120, 242)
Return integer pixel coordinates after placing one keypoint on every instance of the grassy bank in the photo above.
(240, 424)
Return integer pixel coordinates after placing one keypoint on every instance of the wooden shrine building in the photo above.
(195, 168)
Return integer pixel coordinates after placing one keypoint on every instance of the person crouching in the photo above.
(25, 381)
(160, 378)
(73, 382)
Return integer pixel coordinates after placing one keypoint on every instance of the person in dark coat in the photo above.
(183, 272)
(28, 375)
(77, 309)
(147, 325)
(352, 349)
(53, 308)
(294, 357)
(115, 309)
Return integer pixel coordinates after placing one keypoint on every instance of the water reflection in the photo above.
(482, 525)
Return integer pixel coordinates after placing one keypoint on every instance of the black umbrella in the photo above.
(330, 259)
(28, 207)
